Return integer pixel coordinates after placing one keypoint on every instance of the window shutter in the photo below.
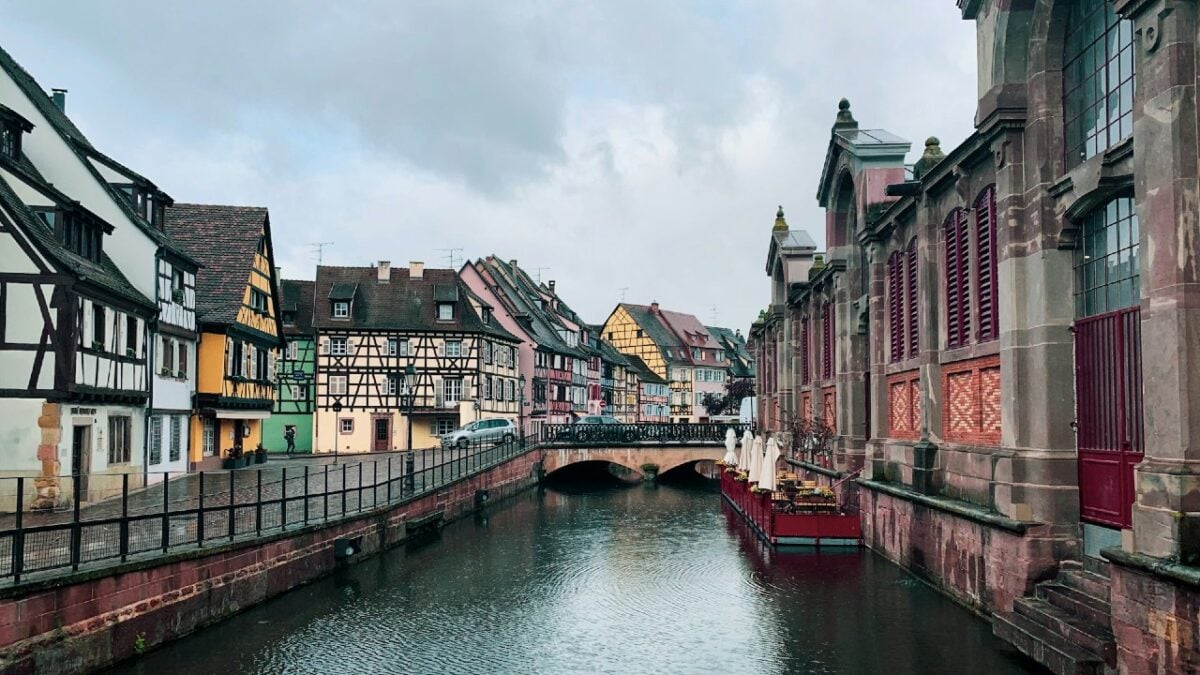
(826, 341)
(349, 346)
(956, 281)
(895, 329)
(804, 350)
(985, 228)
(433, 428)
(229, 358)
(325, 345)
(911, 287)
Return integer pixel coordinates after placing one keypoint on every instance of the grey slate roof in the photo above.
(643, 371)
(522, 298)
(297, 296)
(225, 240)
(82, 147)
(401, 304)
(104, 275)
(659, 332)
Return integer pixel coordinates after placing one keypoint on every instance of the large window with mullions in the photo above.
(1097, 80)
(1106, 262)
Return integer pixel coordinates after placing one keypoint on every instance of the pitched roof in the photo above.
(103, 274)
(83, 148)
(658, 331)
(689, 329)
(637, 365)
(403, 303)
(523, 297)
(225, 240)
(741, 363)
(297, 297)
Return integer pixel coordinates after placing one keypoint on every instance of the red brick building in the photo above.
(1005, 335)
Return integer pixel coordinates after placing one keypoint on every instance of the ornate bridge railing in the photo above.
(607, 434)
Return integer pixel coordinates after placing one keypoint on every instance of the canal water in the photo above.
(596, 578)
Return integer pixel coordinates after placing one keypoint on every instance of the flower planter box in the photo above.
(231, 463)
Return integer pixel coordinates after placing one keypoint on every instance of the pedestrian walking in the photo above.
(289, 435)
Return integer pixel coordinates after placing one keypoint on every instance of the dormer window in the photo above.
(487, 316)
(445, 311)
(78, 233)
(258, 301)
(12, 126)
(341, 309)
(148, 203)
(289, 318)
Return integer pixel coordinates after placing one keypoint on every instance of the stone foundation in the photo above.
(91, 620)
(1155, 615)
(982, 560)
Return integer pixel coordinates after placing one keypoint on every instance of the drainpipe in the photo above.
(150, 388)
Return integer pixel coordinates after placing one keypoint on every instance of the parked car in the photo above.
(482, 431)
(598, 419)
(597, 428)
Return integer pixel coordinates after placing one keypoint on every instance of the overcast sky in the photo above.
(633, 147)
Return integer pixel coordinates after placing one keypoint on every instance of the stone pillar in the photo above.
(48, 490)
(877, 291)
(1166, 514)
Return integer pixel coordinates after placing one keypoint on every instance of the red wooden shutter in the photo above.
(985, 255)
(895, 338)
(910, 282)
(804, 351)
(957, 280)
(826, 341)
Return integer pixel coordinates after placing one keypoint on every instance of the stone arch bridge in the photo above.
(648, 450)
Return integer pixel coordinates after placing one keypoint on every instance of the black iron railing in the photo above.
(209, 508)
(598, 434)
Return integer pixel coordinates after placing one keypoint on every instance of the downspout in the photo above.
(150, 388)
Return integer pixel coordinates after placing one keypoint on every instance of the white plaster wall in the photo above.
(179, 465)
(130, 248)
(19, 435)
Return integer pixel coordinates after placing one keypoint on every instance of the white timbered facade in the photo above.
(388, 339)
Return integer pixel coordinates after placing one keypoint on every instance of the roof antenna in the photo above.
(318, 250)
(623, 289)
(451, 256)
(715, 317)
(539, 273)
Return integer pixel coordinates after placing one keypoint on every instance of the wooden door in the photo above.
(81, 458)
(382, 436)
(1108, 395)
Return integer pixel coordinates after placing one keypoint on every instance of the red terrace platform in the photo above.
(789, 529)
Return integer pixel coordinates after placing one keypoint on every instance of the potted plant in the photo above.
(233, 459)
(260, 454)
(97, 345)
(165, 372)
(129, 352)
(177, 295)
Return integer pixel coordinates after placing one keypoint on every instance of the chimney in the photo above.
(654, 308)
(60, 99)
(512, 263)
(551, 285)
(416, 270)
(383, 273)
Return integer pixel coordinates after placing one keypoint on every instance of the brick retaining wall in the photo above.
(90, 620)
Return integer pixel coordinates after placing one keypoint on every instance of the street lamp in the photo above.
(410, 376)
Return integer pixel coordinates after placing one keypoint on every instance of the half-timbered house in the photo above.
(54, 152)
(553, 363)
(73, 343)
(395, 340)
(295, 391)
(239, 325)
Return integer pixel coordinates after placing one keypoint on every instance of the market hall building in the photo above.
(1005, 336)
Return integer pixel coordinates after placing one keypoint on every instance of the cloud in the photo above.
(623, 145)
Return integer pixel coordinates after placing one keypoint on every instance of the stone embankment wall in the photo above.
(90, 620)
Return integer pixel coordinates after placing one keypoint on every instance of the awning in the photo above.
(242, 414)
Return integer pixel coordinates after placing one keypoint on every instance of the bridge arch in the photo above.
(664, 458)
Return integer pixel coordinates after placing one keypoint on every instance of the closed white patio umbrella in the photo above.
(756, 460)
(766, 474)
(730, 444)
(744, 458)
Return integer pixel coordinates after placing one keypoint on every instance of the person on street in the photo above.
(289, 435)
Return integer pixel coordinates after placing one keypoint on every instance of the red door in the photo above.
(1108, 399)
(383, 434)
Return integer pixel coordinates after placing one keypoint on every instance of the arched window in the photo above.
(910, 286)
(1106, 262)
(985, 259)
(1097, 80)
(895, 274)
(958, 280)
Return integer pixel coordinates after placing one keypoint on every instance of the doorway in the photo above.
(382, 436)
(81, 457)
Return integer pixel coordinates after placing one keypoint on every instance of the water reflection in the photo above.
(586, 579)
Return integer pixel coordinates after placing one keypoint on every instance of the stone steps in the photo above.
(1066, 624)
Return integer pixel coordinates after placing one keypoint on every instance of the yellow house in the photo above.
(237, 300)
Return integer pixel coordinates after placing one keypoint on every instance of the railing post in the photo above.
(76, 528)
(257, 506)
(360, 487)
(166, 516)
(325, 492)
(18, 549)
(410, 467)
(283, 500)
(200, 520)
(375, 483)
(389, 480)
(306, 494)
(232, 500)
(343, 511)
(124, 531)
